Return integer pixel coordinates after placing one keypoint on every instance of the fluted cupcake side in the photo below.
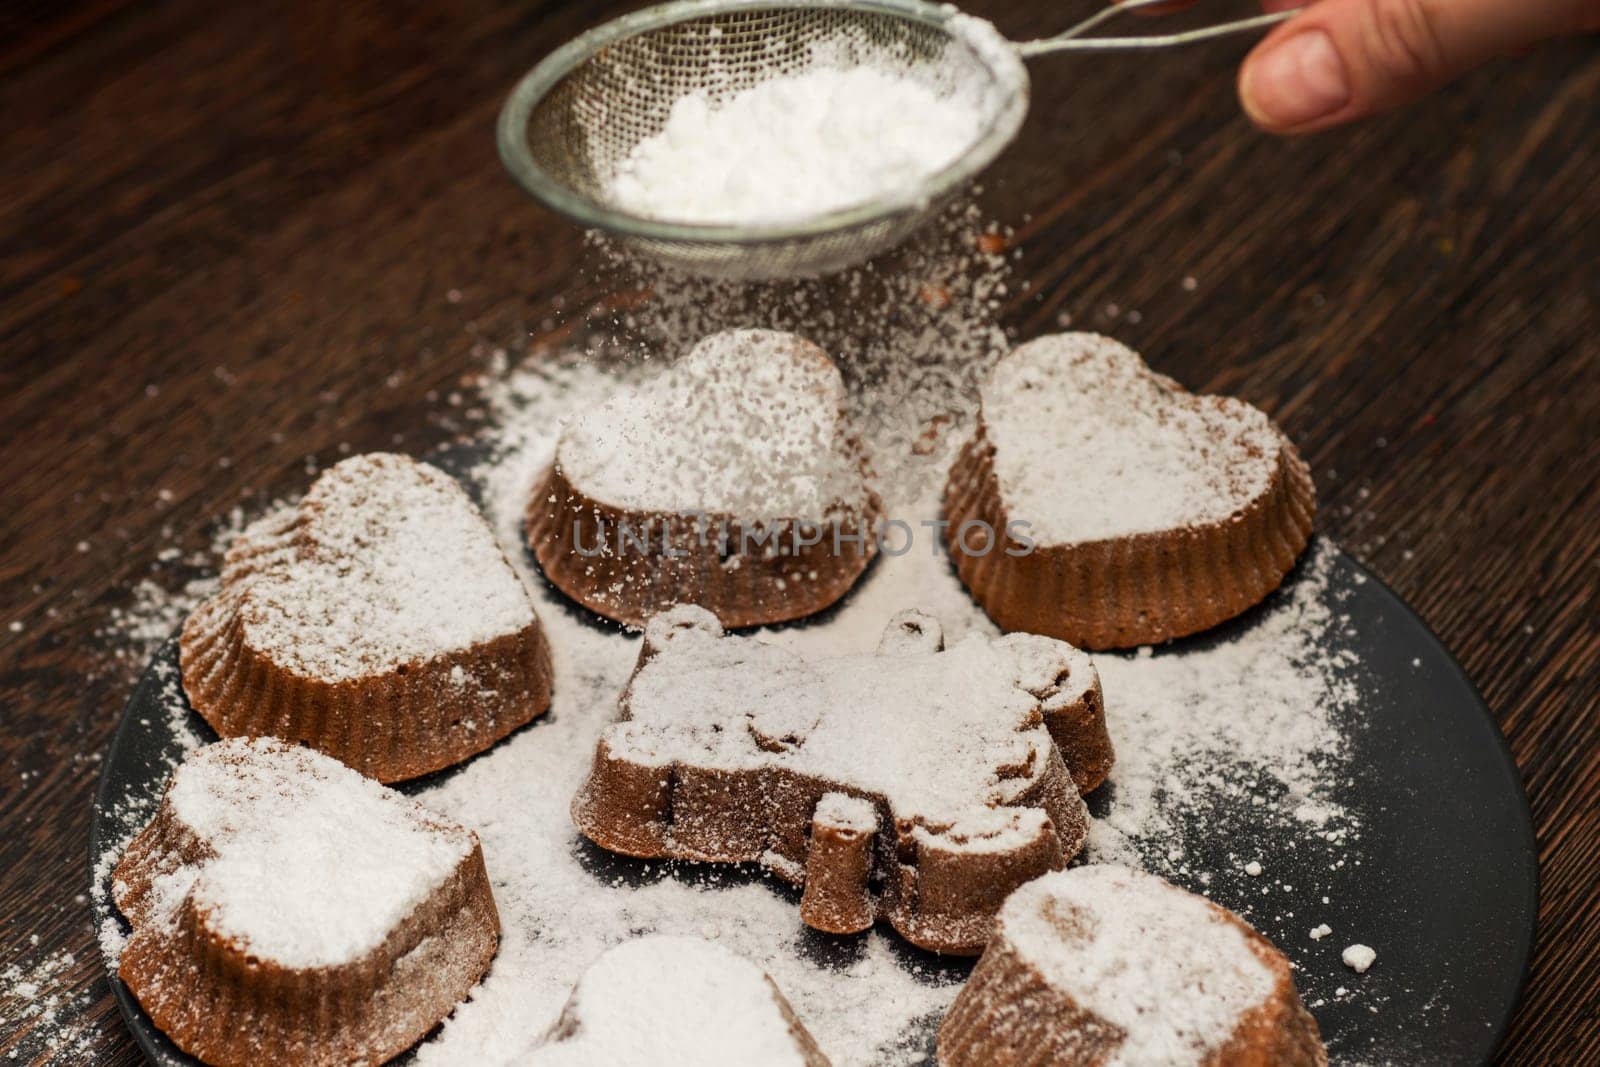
(629, 566)
(1008, 1014)
(1279, 1032)
(1126, 591)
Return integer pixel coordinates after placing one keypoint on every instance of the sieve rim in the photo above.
(512, 127)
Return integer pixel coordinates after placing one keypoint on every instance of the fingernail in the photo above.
(1297, 81)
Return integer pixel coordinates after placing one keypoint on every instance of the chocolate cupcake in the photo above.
(377, 621)
(728, 481)
(1106, 965)
(1101, 503)
(286, 909)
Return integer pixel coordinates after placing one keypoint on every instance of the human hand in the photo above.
(1345, 59)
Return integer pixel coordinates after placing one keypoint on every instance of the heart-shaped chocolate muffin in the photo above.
(1102, 503)
(728, 481)
(1106, 965)
(378, 621)
(676, 1002)
(288, 910)
(916, 783)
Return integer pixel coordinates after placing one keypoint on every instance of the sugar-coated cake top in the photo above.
(1091, 444)
(309, 864)
(747, 424)
(948, 736)
(386, 561)
(671, 1002)
(1160, 963)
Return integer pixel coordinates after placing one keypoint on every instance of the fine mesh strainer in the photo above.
(575, 116)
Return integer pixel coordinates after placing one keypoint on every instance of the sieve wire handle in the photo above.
(1074, 41)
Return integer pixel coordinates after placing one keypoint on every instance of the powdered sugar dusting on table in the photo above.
(1157, 962)
(1090, 444)
(47, 993)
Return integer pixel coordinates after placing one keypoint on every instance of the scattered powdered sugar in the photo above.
(747, 424)
(795, 146)
(1358, 957)
(1240, 721)
(134, 631)
(1091, 444)
(47, 996)
(1157, 962)
(308, 863)
(671, 1002)
(385, 562)
(154, 613)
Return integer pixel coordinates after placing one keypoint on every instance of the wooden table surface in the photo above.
(232, 236)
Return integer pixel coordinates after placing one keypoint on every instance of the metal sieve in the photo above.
(581, 111)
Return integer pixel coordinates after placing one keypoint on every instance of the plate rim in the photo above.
(1507, 764)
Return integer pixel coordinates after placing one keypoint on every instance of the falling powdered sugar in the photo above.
(912, 335)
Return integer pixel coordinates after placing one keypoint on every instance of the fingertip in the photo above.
(1243, 86)
(1249, 96)
(1294, 82)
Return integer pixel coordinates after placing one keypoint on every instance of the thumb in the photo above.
(1344, 59)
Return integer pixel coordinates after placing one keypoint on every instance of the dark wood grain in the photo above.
(228, 234)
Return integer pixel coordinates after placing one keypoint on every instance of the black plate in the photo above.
(1446, 888)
